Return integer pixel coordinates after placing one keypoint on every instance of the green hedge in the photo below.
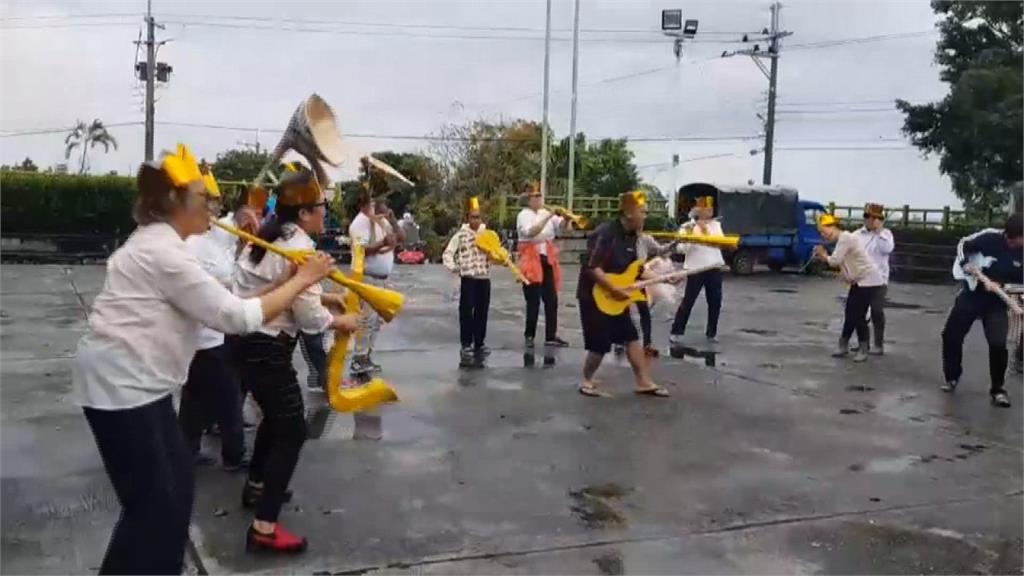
(33, 203)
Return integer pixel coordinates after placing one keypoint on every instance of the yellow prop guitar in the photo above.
(628, 281)
(488, 241)
(358, 398)
(387, 303)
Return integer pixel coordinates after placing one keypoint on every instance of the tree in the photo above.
(602, 169)
(27, 166)
(239, 165)
(978, 128)
(86, 137)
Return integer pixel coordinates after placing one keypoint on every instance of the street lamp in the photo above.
(673, 25)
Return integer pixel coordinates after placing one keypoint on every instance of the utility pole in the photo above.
(150, 80)
(769, 129)
(572, 115)
(772, 36)
(545, 135)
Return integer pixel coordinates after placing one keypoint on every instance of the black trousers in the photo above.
(212, 393)
(877, 306)
(268, 371)
(858, 299)
(644, 310)
(153, 476)
(313, 352)
(474, 302)
(545, 291)
(967, 308)
(711, 282)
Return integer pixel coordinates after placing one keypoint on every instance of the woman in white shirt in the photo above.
(143, 330)
(265, 357)
(537, 228)
(700, 256)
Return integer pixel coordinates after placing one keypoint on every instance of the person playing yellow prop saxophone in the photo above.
(473, 265)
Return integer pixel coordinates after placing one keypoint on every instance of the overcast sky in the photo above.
(408, 67)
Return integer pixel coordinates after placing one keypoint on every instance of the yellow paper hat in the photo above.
(298, 187)
(633, 198)
(211, 183)
(704, 202)
(827, 220)
(472, 203)
(181, 167)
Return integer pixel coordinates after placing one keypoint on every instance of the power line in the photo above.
(69, 25)
(860, 40)
(73, 16)
(61, 130)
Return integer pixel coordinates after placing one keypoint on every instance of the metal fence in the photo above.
(923, 218)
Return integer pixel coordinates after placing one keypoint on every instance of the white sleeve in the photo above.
(359, 230)
(310, 314)
(523, 223)
(193, 291)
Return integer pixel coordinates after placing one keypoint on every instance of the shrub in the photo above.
(34, 203)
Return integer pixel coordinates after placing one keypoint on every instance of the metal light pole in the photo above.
(545, 135)
(572, 115)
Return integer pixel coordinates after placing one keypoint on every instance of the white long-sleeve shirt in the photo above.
(306, 313)
(144, 324)
(527, 219)
(878, 245)
(697, 255)
(215, 250)
(849, 256)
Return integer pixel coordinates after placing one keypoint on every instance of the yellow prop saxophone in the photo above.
(490, 244)
(356, 398)
(385, 302)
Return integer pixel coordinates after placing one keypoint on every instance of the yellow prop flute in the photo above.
(386, 302)
(730, 242)
(578, 220)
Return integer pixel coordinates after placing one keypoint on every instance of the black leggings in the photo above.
(711, 282)
(212, 392)
(857, 302)
(153, 476)
(474, 302)
(534, 293)
(267, 369)
(967, 308)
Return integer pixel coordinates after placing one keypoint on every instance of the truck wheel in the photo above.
(776, 266)
(743, 263)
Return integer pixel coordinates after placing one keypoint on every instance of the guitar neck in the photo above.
(673, 276)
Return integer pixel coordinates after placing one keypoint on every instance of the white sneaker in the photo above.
(675, 339)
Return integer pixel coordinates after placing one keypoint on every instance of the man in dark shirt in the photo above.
(611, 248)
(1004, 247)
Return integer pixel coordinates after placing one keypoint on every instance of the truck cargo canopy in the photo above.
(746, 209)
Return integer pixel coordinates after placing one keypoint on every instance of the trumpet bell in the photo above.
(314, 131)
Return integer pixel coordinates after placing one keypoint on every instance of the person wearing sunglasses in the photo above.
(538, 259)
(878, 243)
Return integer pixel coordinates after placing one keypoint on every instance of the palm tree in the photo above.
(86, 137)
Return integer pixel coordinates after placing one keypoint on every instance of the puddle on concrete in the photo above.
(902, 305)
(848, 411)
(760, 331)
(859, 388)
(590, 505)
(610, 564)
(784, 290)
(547, 360)
(891, 465)
(706, 357)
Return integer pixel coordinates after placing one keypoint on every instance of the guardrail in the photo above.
(923, 218)
(593, 207)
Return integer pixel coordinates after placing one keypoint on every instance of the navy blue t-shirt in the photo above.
(611, 248)
(1007, 266)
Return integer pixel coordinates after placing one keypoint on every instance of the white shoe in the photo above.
(675, 339)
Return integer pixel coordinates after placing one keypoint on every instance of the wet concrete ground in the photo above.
(769, 457)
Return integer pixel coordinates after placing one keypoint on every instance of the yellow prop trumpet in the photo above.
(488, 241)
(628, 280)
(729, 242)
(385, 302)
(358, 398)
(578, 220)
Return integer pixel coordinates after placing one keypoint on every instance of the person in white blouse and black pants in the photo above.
(265, 357)
(143, 330)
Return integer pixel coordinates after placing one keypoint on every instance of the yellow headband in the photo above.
(704, 202)
(828, 220)
(181, 167)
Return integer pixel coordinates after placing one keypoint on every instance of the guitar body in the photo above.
(979, 261)
(607, 303)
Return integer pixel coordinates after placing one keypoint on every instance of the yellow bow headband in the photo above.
(181, 167)
(634, 198)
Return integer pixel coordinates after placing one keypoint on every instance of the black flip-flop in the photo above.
(657, 392)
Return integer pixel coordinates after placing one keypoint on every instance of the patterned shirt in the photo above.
(463, 257)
